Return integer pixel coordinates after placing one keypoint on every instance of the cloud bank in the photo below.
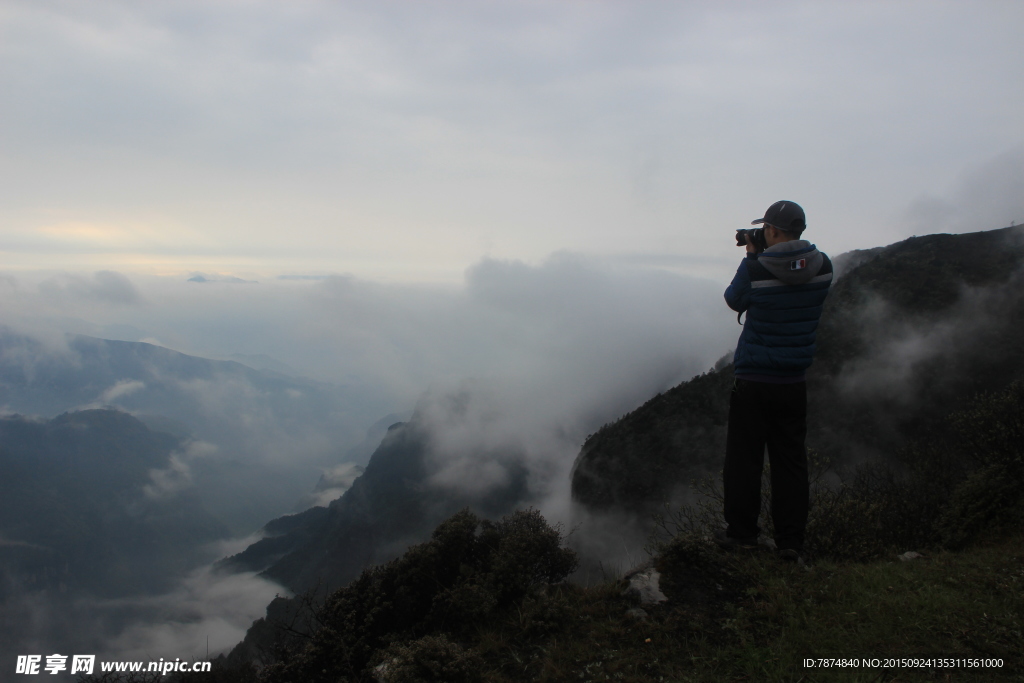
(404, 141)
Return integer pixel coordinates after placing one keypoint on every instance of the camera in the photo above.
(756, 238)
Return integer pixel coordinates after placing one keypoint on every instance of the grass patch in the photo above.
(768, 616)
(773, 615)
(599, 641)
(948, 604)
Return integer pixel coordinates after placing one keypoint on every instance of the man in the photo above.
(781, 285)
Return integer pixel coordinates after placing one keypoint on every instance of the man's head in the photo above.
(783, 221)
(773, 235)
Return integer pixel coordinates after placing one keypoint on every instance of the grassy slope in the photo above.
(770, 616)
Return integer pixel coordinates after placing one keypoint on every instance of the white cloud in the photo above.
(206, 607)
(122, 388)
(405, 141)
(333, 484)
(104, 287)
(166, 482)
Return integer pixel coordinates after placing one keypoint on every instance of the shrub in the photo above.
(880, 509)
(469, 569)
(990, 435)
(429, 659)
(526, 552)
(946, 490)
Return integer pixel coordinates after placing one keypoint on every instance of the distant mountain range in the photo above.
(273, 433)
(92, 512)
(125, 465)
(83, 508)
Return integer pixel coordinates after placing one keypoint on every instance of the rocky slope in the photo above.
(385, 510)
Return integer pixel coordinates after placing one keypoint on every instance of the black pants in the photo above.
(772, 415)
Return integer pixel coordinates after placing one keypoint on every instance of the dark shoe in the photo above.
(726, 541)
(790, 555)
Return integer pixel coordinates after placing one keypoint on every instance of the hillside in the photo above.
(484, 602)
(384, 511)
(387, 509)
(909, 331)
(80, 508)
(90, 516)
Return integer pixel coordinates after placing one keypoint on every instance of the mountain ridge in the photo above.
(905, 294)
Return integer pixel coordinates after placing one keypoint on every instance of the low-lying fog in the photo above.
(543, 355)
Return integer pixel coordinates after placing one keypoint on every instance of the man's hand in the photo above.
(751, 249)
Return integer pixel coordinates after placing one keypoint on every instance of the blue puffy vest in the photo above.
(782, 291)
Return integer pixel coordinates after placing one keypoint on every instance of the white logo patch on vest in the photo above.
(799, 264)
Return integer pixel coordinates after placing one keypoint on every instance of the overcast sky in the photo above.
(406, 141)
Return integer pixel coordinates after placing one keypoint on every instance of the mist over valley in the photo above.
(526, 361)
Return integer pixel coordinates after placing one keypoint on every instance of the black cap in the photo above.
(784, 215)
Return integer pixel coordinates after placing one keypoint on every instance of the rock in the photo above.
(909, 555)
(636, 613)
(643, 584)
(381, 671)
